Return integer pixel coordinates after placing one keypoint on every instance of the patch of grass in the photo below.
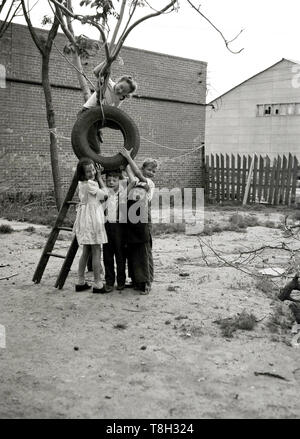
(237, 220)
(279, 321)
(270, 224)
(32, 208)
(244, 221)
(121, 326)
(266, 286)
(208, 230)
(167, 228)
(239, 285)
(30, 229)
(296, 215)
(235, 228)
(243, 321)
(6, 228)
(216, 228)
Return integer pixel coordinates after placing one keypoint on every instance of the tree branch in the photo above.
(6, 22)
(69, 32)
(74, 67)
(86, 20)
(52, 34)
(62, 23)
(124, 36)
(129, 19)
(227, 42)
(2, 5)
(34, 36)
(121, 15)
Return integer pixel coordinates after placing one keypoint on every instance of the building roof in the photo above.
(246, 80)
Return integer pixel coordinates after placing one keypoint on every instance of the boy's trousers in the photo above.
(113, 251)
(140, 262)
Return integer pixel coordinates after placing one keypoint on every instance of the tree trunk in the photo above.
(82, 81)
(52, 126)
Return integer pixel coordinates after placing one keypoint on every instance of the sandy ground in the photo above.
(122, 355)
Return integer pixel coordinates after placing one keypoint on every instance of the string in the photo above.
(60, 136)
(162, 146)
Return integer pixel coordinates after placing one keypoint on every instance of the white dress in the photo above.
(89, 223)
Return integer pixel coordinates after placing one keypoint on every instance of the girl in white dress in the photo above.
(89, 224)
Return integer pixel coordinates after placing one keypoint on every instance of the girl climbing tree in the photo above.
(103, 12)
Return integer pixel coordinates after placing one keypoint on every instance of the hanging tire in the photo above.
(115, 118)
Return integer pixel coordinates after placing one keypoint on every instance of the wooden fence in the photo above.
(272, 183)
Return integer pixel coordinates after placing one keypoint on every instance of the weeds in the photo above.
(279, 321)
(243, 321)
(162, 228)
(266, 286)
(244, 221)
(30, 229)
(270, 224)
(121, 326)
(33, 208)
(6, 228)
(296, 215)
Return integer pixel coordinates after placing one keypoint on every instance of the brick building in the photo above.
(168, 107)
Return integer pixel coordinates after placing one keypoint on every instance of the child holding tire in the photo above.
(139, 228)
(114, 95)
(89, 225)
(115, 225)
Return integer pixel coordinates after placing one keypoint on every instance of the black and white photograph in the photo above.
(149, 212)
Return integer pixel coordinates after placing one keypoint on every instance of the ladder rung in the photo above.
(73, 202)
(56, 255)
(67, 229)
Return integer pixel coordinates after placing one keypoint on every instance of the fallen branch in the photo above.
(8, 277)
(272, 375)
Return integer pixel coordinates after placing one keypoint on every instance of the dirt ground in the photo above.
(122, 355)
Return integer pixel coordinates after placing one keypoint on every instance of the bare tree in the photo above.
(44, 46)
(103, 10)
(13, 6)
(78, 47)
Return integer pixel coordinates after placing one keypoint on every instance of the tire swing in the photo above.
(113, 118)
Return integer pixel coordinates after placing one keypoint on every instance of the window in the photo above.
(290, 109)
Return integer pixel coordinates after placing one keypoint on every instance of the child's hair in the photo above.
(84, 161)
(150, 162)
(130, 81)
(114, 173)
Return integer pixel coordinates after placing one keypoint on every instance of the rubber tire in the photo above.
(114, 118)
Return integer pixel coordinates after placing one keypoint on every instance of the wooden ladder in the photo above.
(58, 226)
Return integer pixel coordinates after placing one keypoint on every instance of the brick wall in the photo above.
(168, 108)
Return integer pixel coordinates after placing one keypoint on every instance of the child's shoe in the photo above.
(99, 290)
(146, 290)
(120, 287)
(82, 287)
(108, 288)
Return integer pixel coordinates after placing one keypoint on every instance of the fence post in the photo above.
(248, 181)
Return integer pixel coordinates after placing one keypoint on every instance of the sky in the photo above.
(270, 32)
